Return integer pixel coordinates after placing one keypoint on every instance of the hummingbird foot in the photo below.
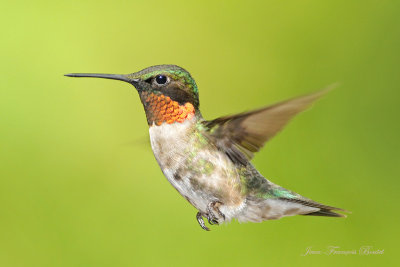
(199, 218)
(212, 207)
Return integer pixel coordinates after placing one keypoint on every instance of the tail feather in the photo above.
(325, 210)
(327, 213)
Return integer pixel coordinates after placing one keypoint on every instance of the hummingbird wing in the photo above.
(241, 135)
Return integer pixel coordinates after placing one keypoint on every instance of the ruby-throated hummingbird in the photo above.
(208, 162)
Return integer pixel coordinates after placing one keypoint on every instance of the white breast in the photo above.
(170, 144)
(175, 148)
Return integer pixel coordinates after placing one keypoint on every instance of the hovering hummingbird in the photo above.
(208, 162)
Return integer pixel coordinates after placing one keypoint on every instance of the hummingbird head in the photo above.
(168, 92)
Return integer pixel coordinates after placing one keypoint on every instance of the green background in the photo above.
(79, 184)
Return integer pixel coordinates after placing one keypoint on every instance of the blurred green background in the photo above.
(79, 184)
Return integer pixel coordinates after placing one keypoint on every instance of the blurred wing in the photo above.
(243, 134)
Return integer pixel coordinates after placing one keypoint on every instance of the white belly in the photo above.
(201, 175)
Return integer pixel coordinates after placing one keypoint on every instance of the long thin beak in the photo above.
(120, 77)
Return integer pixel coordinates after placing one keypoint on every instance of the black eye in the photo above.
(161, 79)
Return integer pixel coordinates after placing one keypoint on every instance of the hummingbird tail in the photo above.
(259, 209)
(327, 213)
(324, 210)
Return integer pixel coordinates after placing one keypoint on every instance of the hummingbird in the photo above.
(209, 161)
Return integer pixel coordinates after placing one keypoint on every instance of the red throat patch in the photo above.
(161, 108)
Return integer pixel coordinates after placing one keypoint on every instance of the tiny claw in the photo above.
(211, 208)
(212, 220)
(221, 214)
(199, 218)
